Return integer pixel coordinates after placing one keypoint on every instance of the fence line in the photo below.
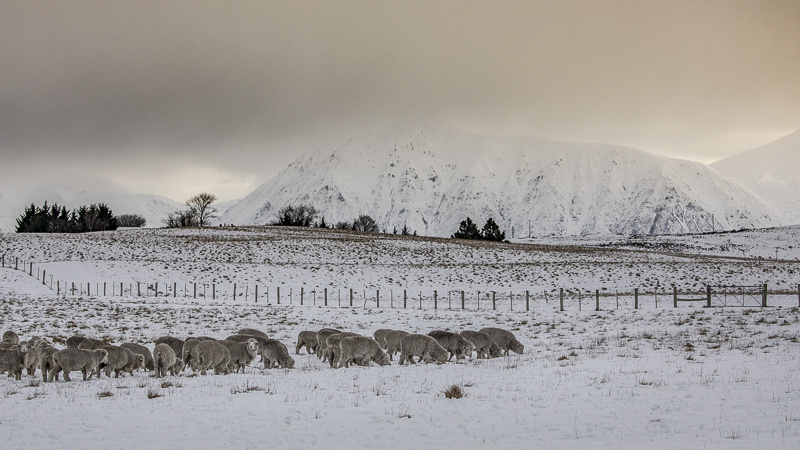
(425, 298)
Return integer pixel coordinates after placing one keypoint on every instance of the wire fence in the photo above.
(512, 300)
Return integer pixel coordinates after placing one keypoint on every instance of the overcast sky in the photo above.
(176, 98)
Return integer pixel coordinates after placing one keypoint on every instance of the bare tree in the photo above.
(200, 204)
(365, 223)
(297, 216)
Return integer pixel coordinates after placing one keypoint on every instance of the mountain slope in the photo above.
(430, 178)
(771, 173)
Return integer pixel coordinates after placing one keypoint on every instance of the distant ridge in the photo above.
(430, 177)
(772, 173)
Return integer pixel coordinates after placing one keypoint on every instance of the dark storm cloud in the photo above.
(244, 86)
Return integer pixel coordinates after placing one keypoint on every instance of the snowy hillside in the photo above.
(430, 178)
(597, 374)
(771, 173)
(152, 207)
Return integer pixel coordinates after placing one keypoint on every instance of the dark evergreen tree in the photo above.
(491, 232)
(55, 219)
(467, 230)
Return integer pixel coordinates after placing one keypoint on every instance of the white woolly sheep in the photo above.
(424, 346)
(505, 339)
(362, 348)
(72, 359)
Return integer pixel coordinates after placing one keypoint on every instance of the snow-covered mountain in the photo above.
(430, 178)
(771, 173)
(152, 207)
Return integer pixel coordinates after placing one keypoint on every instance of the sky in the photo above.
(176, 98)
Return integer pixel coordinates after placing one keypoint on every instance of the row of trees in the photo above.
(56, 219)
(469, 230)
(306, 216)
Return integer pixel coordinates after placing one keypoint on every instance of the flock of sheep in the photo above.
(172, 355)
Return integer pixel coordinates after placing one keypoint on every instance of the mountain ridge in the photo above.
(430, 179)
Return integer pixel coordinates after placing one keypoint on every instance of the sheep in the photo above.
(244, 337)
(485, 346)
(504, 339)
(242, 353)
(332, 347)
(12, 360)
(117, 360)
(253, 332)
(33, 357)
(73, 359)
(164, 360)
(380, 335)
(392, 339)
(74, 341)
(275, 354)
(307, 339)
(135, 361)
(421, 345)
(175, 343)
(322, 335)
(454, 343)
(139, 349)
(9, 337)
(47, 362)
(189, 356)
(360, 347)
(90, 344)
(213, 354)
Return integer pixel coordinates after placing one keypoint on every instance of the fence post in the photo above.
(420, 300)
(256, 294)
(798, 295)
(764, 297)
(511, 297)
(326, 296)
(405, 296)
(351, 297)
(156, 290)
(301, 296)
(597, 299)
(279, 294)
(494, 301)
(561, 298)
(58, 288)
(121, 289)
(44, 275)
(378, 298)
(708, 296)
(104, 288)
(636, 298)
(435, 299)
(675, 295)
(462, 300)
(138, 289)
(234, 291)
(527, 301)
(174, 289)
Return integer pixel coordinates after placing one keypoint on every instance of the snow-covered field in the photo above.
(689, 377)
